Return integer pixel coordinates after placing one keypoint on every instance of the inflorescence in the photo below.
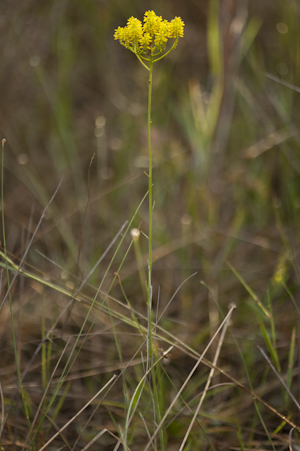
(150, 37)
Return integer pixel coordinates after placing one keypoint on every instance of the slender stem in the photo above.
(157, 414)
(140, 59)
(167, 53)
(150, 186)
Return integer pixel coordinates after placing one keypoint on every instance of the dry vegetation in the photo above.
(226, 184)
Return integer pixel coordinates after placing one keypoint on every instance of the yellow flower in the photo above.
(130, 35)
(151, 36)
(134, 29)
(146, 41)
(177, 26)
(152, 22)
(162, 35)
(119, 33)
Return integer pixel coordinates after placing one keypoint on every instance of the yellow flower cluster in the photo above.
(150, 37)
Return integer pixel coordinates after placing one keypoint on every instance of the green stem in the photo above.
(167, 53)
(141, 61)
(149, 293)
(150, 198)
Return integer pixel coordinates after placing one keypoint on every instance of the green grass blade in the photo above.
(252, 294)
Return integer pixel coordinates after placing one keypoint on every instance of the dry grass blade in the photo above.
(187, 405)
(45, 393)
(136, 396)
(211, 373)
(279, 377)
(117, 445)
(250, 291)
(146, 427)
(78, 413)
(29, 244)
(163, 312)
(268, 142)
(127, 365)
(283, 82)
(254, 396)
(189, 376)
(94, 440)
(70, 302)
(290, 439)
(85, 210)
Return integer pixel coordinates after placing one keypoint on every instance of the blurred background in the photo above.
(225, 138)
(225, 135)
